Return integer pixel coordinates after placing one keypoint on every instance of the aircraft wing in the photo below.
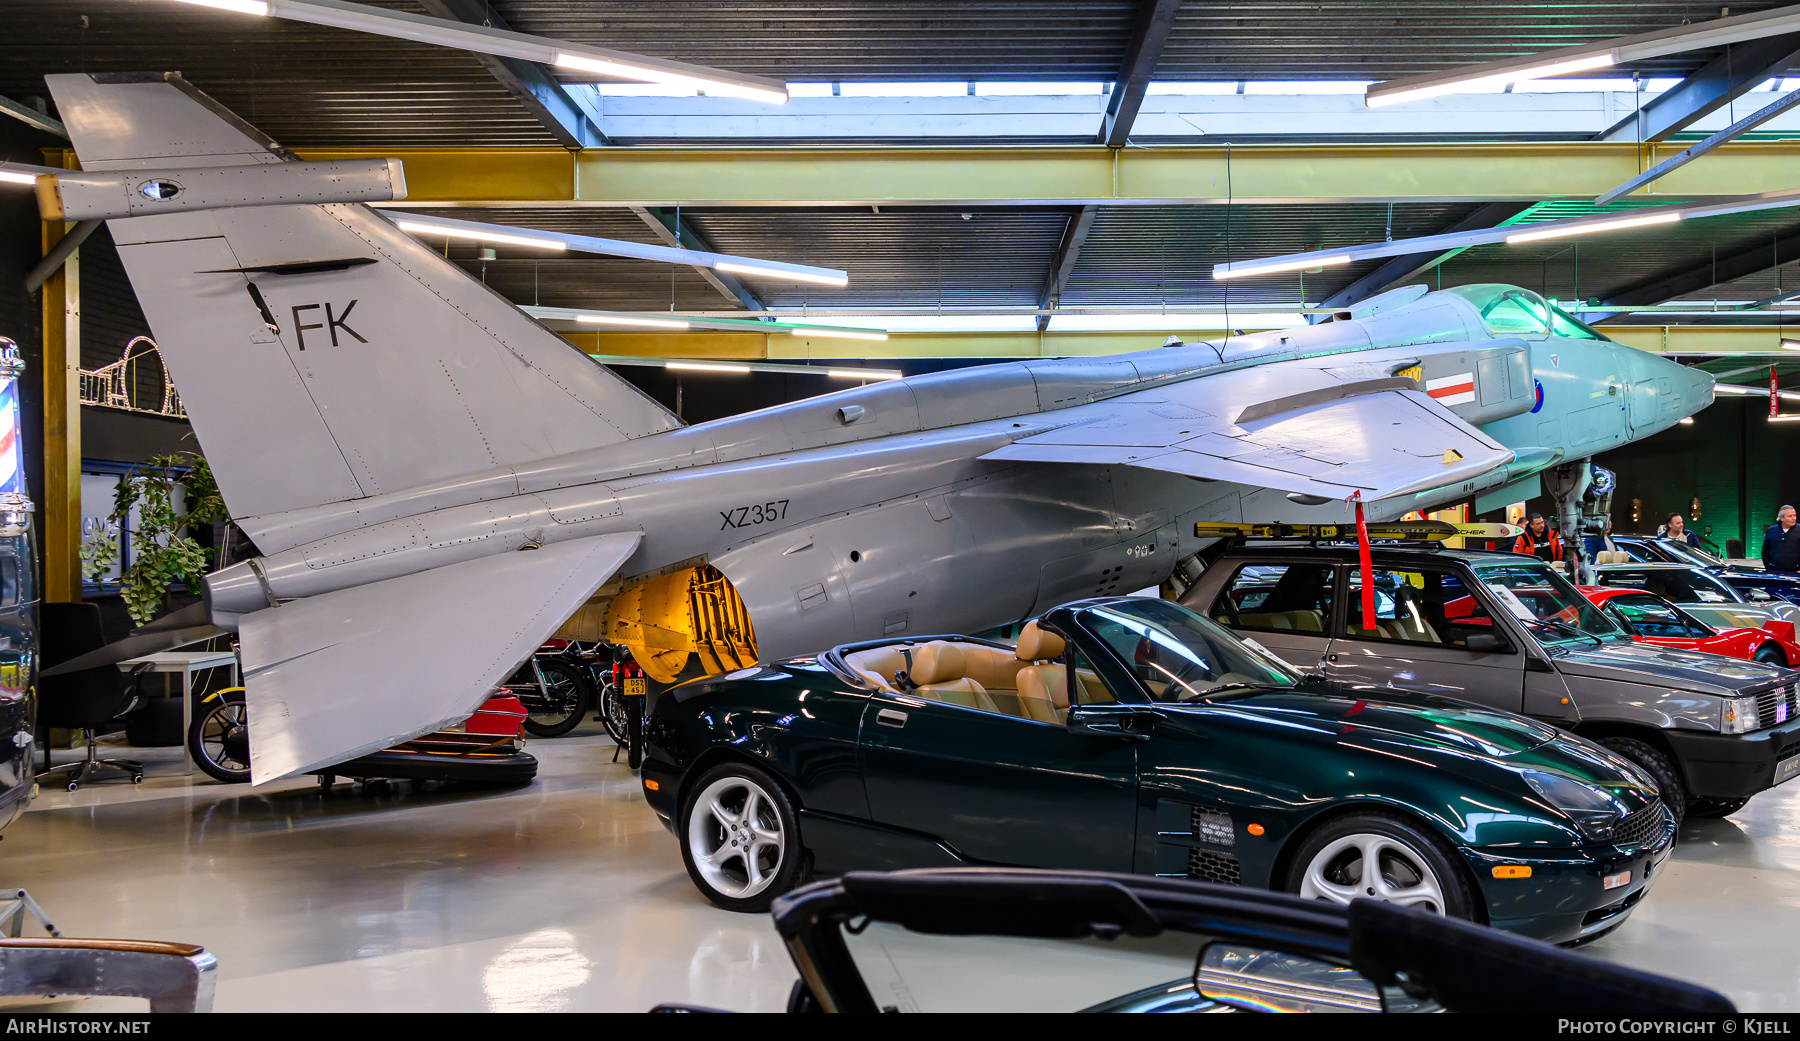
(1295, 429)
(346, 673)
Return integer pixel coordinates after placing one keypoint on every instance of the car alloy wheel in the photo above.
(737, 841)
(1378, 867)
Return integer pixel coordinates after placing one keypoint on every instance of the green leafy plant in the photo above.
(160, 554)
(99, 548)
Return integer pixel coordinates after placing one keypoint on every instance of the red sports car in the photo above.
(1651, 619)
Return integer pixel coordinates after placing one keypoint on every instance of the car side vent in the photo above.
(1207, 866)
(1214, 826)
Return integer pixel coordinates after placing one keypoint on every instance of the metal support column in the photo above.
(61, 370)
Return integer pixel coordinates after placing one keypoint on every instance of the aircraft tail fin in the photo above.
(322, 354)
(346, 673)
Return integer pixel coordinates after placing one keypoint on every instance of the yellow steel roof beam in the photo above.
(733, 346)
(1073, 175)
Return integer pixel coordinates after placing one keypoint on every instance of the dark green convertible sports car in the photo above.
(1128, 734)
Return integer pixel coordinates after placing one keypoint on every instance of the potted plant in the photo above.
(161, 552)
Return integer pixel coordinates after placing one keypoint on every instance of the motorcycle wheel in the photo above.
(569, 697)
(219, 740)
(613, 712)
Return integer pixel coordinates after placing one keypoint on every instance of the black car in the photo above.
(1750, 583)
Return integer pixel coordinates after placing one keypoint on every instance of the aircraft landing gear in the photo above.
(1583, 496)
(1566, 484)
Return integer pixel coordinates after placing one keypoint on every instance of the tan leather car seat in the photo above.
(1044, 691)
(937, 668)
(1038, 644)
(877, 665)
(1035, 701)
(1298, 621)
(993, 667)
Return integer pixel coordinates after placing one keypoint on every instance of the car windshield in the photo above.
(1682, 585)
(1179, 656)
(1553, 609)
(1689, 554)
(1654, 617)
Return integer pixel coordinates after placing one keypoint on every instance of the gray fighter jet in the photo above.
(437, 482)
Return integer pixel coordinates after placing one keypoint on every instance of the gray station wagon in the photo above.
(1511, 632)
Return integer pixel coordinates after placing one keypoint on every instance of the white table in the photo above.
(185, 664)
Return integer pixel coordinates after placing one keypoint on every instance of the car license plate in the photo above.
(1787, 769)
(634, 688)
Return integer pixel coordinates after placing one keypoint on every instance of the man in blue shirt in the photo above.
(1781, 543)
(1676, 528)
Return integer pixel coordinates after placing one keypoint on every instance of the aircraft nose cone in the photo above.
(1698, 388)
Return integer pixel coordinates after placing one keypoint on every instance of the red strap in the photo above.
(1368, 569)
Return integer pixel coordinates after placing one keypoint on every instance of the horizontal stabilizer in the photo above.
(1326, 440)
(339, 675)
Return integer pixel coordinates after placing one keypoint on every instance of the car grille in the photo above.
(1640, 828)
(1769, 700)
(1207, 866)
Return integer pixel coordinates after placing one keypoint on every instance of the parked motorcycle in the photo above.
(556, 686)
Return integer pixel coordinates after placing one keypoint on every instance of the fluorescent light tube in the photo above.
(630, 320)
(705, 366)
(839, 334)
(1792, 417)
(630, 71)
(418, 228)
(1792, 345)
(10, 177)
(1592, 226)
(1252, 268)
(865, 374)
(255, 7)
(1480, 83)
(769, 272)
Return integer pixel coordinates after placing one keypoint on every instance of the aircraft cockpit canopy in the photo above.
(1511, 311)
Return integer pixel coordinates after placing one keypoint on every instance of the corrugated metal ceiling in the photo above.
(915, 257)
(1147, 255)
(900, 39)
(303, 85)
(1271, 39)
(1597, 266)
(314, 86)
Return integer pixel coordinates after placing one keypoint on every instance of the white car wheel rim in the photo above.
(1374, 867)
(735, 837)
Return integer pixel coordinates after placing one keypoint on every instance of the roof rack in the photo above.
(1432, 532)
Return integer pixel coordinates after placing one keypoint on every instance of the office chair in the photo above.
(83, 700)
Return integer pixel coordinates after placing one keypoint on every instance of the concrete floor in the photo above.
(568, 895)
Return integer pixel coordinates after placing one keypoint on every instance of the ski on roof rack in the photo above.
(1406, 531)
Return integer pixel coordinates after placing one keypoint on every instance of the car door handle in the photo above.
(887, 717)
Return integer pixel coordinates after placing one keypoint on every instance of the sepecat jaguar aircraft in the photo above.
(392, 434)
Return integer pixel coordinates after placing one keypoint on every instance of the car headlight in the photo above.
(1594, 812)
(1738, 716)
